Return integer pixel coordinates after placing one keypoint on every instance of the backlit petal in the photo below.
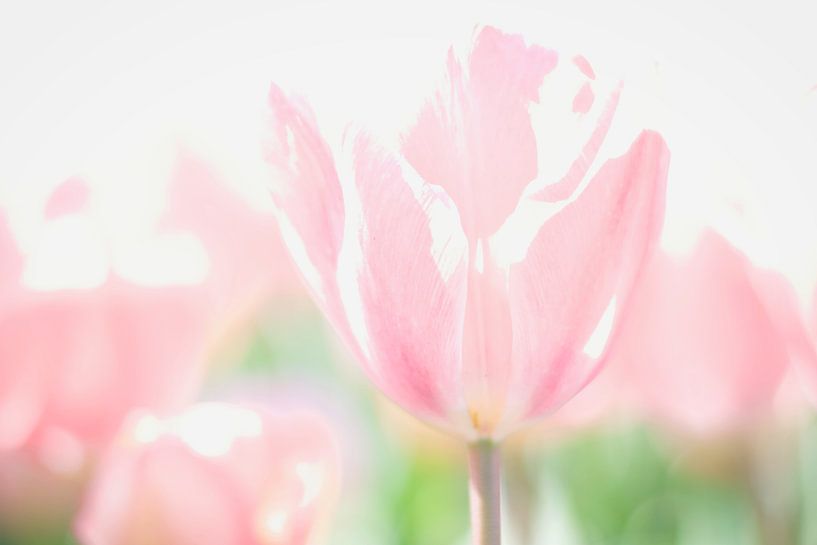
(567, 291)
(307, 194)
(403, 264)
(474, 137)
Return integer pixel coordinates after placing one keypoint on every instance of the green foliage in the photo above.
(432, 507)
(297, 339)
(616, 483)
(623, 488)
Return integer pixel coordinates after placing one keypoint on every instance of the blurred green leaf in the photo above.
(609, 477)
(624, 489)
(284, 340)
(432, 507)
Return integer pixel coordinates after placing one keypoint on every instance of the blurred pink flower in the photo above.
(11, 263)
(802, 330)
(704, 345)
(477, 272)
(74, 361)
(249, 266)
(69, 197)
(217, 473)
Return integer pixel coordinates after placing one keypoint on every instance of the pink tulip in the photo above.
(475, 274)
(74, 362)
(477, 291)
(215, 474)
(702, 346)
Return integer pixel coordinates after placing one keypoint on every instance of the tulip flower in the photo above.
(700, 344)
(216, 473)
(75, 360)
(477, 268)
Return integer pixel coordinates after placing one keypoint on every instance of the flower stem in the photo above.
(484, 470)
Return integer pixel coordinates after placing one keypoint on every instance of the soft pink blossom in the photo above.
(69, 197)
(249, 266)
(74, 361)
(477, 271)
(801, 328)
(215, 474)
(705, 344)
(11, 263)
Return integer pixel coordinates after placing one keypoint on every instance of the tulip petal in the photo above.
(487, 340)
(22, 390)
(310, 205)
(159, 373)
(781, 303)
(406, 257)
(119, 346)
(474, 138)
(248, 262)
(578, 270)
(11, 262)
(70, 197)
(20, 385)
(794, 324)
(698, 343)
(307, 194)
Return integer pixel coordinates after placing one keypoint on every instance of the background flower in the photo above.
(699, 345)
(216, 473)
(77, 357)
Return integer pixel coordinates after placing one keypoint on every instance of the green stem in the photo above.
(484, 470)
